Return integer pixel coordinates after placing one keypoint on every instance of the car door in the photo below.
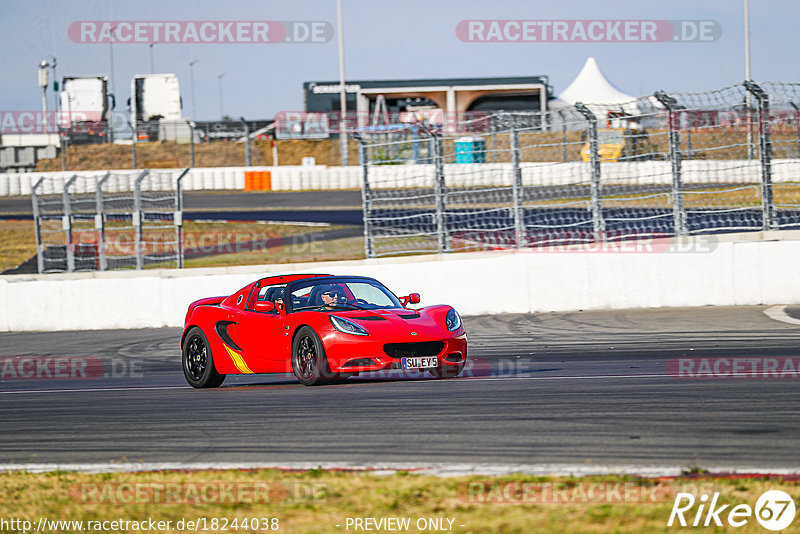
(261, 336)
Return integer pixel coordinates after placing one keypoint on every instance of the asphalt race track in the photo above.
(583, 388)
(232, 201)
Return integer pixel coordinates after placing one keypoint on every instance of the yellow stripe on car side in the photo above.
(238, 361)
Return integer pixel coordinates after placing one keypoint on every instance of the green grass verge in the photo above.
(318, 501)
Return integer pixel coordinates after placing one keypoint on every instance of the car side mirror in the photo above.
(413, 298)
(264, 306)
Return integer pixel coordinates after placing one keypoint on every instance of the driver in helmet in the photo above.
(332, 296)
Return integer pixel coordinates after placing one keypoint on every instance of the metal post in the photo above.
(246, 142)
(688, 142)
(133, 148)
(598, 224)
(439, 192)
(67, 225)
(366, 197)
(100, 222)
(675, 156)
(493, 134)
(63, 139)
(137, 218)
(765, 154)
(749, 116)
(563, 137)
(191, 142)
(38, 226)
(517, 189)
(191, 77)
(178, 216)
(415, 140)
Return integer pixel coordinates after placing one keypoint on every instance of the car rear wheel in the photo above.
(198, 363)
(309, 363)
(447, 371)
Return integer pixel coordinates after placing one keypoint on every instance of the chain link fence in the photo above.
(163, 144)
(660, 166)
(88, 223)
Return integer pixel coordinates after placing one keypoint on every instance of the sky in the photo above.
(400, 39)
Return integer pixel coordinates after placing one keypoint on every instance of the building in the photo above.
(451, 95)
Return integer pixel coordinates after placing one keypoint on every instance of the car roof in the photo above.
(334, 277)
(286, 278)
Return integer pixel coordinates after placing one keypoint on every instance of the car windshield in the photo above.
(341, 294)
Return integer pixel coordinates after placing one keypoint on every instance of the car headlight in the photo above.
(453, 320)
(348, 327)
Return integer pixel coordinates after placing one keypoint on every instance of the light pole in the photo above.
(342, 92)
(191, 76)
(111, 84)
(152, 61)
(750, 146)
(747, 40)
(53, 64)
(219, 82)
(43, 84)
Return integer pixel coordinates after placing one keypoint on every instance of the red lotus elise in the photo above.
(322, 328)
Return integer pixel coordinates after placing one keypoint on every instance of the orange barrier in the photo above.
(257, 180)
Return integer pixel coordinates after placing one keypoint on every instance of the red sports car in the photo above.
(320, 327)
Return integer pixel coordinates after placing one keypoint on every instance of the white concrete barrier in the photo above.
(320, 177)
(737, 270)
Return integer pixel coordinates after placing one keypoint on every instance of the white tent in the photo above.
(593, 89)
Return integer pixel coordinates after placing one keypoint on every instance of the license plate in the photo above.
(419, 363)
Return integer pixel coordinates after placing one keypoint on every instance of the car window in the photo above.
(349, 294)
(273, 293)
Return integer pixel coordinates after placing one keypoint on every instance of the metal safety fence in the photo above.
(90, 223)
(660, 166)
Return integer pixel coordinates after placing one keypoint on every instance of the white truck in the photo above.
(156, 99)
(83, 99)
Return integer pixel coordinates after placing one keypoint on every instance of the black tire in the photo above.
(309, 363)
(448, 371)
(198, 362)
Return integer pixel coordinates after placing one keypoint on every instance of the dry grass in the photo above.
(318, 501)
(217, 154)
(291, 250)
(17, 243)
(534, 147)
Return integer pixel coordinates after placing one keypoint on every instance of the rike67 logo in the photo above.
(774, 510)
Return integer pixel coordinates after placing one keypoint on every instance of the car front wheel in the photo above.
(309, 363)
